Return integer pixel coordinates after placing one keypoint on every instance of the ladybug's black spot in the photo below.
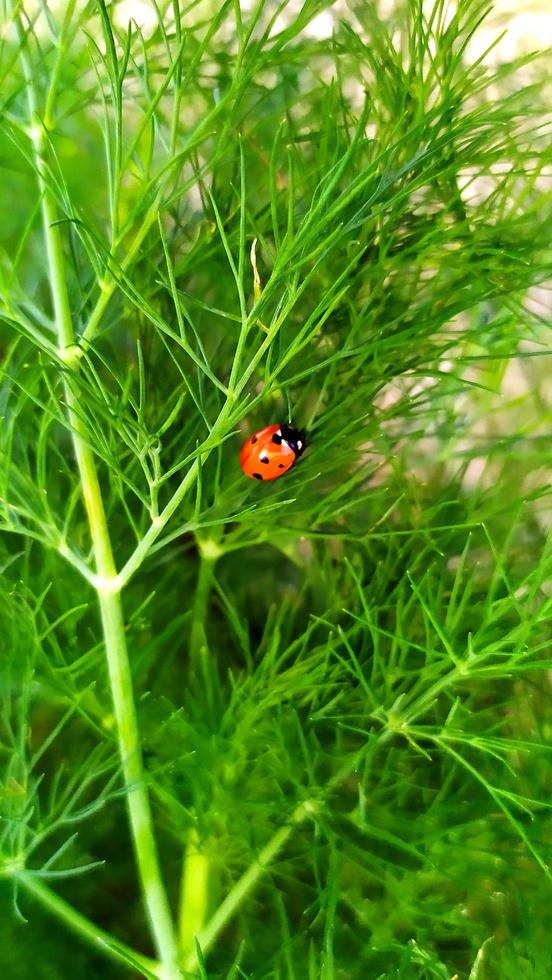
(277, 438)
(253, 439)
(258, 476)
(280, 466)
(264, 459)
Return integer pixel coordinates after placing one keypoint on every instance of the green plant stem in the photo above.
(110, 283)
(108, 593)
(206, 937)
(194, 891)
(120, 678)
(101, 941)
(137, 794)
(156, 527)
(194, 887)
(207, 564)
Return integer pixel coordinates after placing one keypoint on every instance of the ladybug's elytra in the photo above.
(271, 452)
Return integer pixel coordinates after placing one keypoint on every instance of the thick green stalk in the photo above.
(137, 795)
(120, 677)
(106, 582)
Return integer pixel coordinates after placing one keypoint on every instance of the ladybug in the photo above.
(271, 452)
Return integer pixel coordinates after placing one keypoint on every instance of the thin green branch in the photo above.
(142, 549)
(101, 941)
(247, 882)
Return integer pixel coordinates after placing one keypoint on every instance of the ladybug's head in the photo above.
(295, 439)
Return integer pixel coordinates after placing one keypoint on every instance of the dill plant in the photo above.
(290, 730)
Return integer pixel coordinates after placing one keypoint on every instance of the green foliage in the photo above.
(305, 721)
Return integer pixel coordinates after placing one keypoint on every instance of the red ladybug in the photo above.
(271, 451)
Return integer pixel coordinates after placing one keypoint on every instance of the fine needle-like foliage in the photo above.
(296, 729)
